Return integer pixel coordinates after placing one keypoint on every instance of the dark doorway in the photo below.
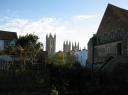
(119, 49)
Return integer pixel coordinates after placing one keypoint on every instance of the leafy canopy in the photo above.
(29, 39)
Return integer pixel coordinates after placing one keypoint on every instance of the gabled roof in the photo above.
(6, 35)
(114, 19)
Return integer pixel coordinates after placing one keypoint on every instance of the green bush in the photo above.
(54, 91)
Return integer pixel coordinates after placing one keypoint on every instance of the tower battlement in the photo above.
(67, 46)
(50, 44)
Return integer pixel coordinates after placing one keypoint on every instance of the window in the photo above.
(6, 43)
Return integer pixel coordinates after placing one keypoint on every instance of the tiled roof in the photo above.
(114, 19)
(6, 35)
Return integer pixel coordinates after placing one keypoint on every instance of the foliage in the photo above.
(63, 59)
(31, 46)
(69, 58)
(58, 58)
(29, 39)
(54, 91)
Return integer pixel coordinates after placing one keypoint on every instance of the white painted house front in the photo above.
(81, 57)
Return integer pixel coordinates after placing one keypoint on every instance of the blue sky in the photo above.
(39, 8)
(73, 20)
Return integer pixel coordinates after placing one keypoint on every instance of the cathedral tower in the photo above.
(50, 44)
(66, 46)
(75, 47)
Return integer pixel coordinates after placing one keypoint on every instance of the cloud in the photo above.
(64, 29)
(83, 17)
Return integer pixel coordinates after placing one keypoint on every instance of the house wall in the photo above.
(90, 51)
(102, 52)
(125, 45)
(1, 45)
(81, 57)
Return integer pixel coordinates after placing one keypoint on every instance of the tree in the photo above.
(69, 59)
(29, 39)
(63, 59)
(31, 46)
(54, 91)
(58, 58)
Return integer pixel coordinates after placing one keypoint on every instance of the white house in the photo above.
(81, 57)
(6, 39)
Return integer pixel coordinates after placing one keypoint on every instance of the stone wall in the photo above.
(125, 45)
(101, 52)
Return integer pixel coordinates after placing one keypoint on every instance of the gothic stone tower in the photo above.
(66, 46)
(50, 44)
(75, 47)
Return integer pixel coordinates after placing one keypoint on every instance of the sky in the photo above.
(70, 20)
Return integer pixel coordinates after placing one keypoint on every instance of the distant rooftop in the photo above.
(6, 35)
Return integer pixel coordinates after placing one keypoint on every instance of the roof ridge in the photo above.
(7, 31)
(114, 6)
(113, 15)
